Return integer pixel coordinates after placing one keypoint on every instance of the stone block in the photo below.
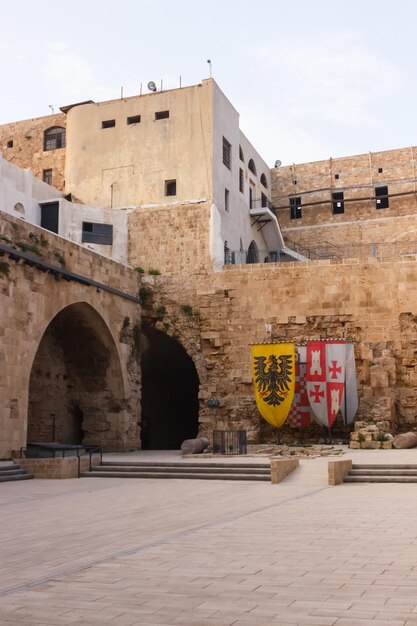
(337, 470)
(280, 468)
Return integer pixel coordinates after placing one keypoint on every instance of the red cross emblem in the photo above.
(334, 370)
(317, 393)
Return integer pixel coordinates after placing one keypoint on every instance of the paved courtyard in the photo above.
(208, 553)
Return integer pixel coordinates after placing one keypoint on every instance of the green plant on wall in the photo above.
(160, 310)
(144, 294)
(154, 272)
(186, 309)
(4, 268)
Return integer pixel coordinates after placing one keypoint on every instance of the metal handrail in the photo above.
(90, 450)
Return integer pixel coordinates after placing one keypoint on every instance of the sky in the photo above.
(311, 79)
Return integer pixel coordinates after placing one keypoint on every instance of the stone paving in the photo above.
(208, 553)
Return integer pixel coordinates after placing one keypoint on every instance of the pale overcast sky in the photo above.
(310, 78)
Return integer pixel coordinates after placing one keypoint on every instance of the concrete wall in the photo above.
(27, 151)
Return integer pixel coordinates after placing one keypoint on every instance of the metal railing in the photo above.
(382, 251)
(229, 442)
(90, 450)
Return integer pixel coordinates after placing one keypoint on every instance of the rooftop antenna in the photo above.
(151, 86)
(51, 106)
(209, 62)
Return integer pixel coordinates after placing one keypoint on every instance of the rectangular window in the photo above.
(250, 197)
(10, 143)
(226, 199)
(47, 176)
(108, 123)
(381, 197)
(227, 153)
(241, 180)
(338, 206)
(161, 115)
(264, 200)
(170, 187)
(133, 119)
(97, 233)
(295, 208)
(50, 216)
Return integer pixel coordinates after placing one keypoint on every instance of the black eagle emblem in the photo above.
(272, 378)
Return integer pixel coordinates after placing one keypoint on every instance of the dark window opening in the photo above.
(108, 123)
(54, 138)
(294, 182)
(47, 177)
(264, 200)
(241, 156)
(380, 170)
(50, 216)
(226, 199)
(170, 187)
(295, 208)
(133, 119)
(97, 233)
(227, 153)
(250, 197)
(381, 197)
(263, 180)
(9, 143)
(336, 176)
(338, 205)
(241, 181)
(251, 166)
(161, 115)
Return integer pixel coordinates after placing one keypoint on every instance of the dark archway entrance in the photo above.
(170, 386)
(76, 392)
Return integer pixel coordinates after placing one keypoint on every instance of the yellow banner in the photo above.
(273, 374)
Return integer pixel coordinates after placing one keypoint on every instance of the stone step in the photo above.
(12, 477)
(191, 475)
(195, 469)
(384, 466)
(183, 464)
(383, 472)
(380, 479)
(11, 470)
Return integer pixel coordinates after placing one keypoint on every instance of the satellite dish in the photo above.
(278, 163)
(151, 86)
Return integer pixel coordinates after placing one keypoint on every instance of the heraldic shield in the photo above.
(325, 378)
(273, 373)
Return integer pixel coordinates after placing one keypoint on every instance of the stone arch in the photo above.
(77, 392)
(170, 387)
(253, 253)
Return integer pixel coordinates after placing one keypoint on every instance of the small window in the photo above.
(161, 115)
(263, 180)
(251, 196)
(381, 197)
(264, 200)
(97, 233)
(336, 176)
(294, 182)
(54, 138)
(295, 208)
(133, 119)
(227, 153)
(226, 199)
(108, 123)
(241, 180)
(380, 170)
(251, 166)
(241, 156)
(9, 144)
(170, 187)
(47, 177)
(338, 205)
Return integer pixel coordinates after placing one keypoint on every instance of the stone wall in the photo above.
(27, 149)
(357, 177)
(80, 338)
(370, 302)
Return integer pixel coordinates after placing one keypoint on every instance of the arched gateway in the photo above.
(76, 389)
(170, 385)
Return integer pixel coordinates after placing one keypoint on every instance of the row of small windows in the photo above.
(338, 204)
(227, 160)
(337, 176)
(135, 119)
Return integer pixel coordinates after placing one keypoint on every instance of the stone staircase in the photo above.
(382, 474)
(190, 470)
(12, 471)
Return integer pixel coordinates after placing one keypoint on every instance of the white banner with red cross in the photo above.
(325, 378)
(300, 412)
